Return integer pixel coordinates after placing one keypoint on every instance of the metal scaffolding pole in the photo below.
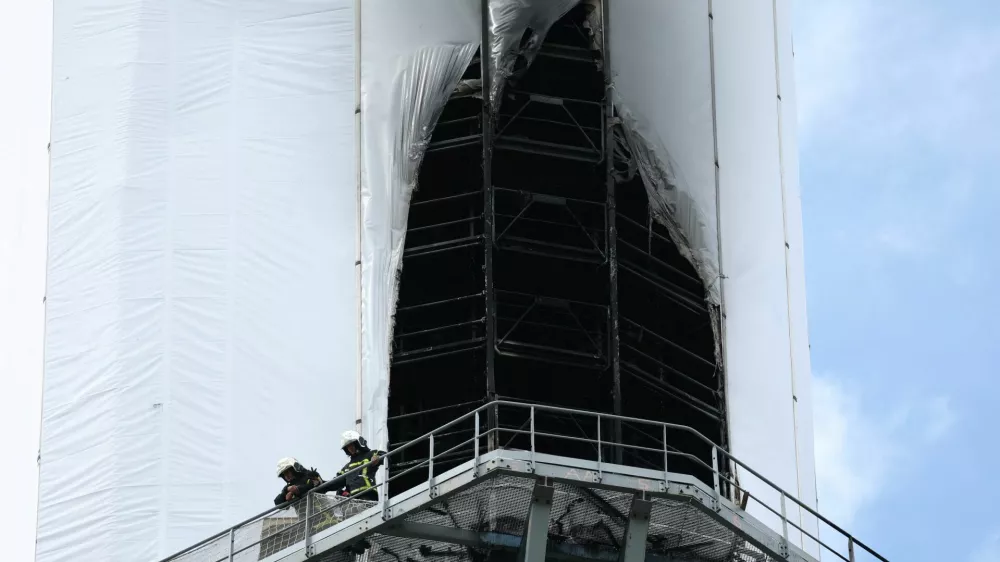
(487, 126)
(612, 246)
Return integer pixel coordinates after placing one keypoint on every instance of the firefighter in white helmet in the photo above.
(360, 483)
(298, 480)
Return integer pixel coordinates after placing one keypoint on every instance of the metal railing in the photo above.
(274, 530)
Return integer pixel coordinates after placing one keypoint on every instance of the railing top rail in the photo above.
(542, 408)
(699, 435)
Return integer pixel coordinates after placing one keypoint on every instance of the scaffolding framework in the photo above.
(531, 255)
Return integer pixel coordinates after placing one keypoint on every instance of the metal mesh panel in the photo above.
(394, 549)
(213, 551)
(589, 516)
(685, 532)
(339, 556)
(327, 511)
(751, 553)
(497, 504)
(277, 530)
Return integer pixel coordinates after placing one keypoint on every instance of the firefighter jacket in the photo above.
(363, 480)
(305, 480)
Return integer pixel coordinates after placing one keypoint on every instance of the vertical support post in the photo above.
(308, 523)
(850, 548)
(232, 543)
(612, 233)
(536, 536)
(600, 475)
(383, 497)
(475, 445)
(430, 466)
(715, 475)
(723, 371)
(784, 525)
(532, 438)
(487, 126)
(637, 531)
(666, 455)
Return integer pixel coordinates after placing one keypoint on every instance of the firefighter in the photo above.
(298, 480)
(360, 484)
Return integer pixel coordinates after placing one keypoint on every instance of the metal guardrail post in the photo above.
(475, 444)
(232, 542)
(430, 467)
(715, 475)
(532, 437)
(600, 474)
(850, 548)
(784, 525)
(666, 471)
(309, 502)
(384, 495)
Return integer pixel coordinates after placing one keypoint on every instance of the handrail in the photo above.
(717, 476)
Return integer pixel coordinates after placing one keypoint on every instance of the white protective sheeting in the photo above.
(509, 22)
(767, 342)
(662, 69)
(413, 55)
(667, 117)
(202, 228)
(796, 277)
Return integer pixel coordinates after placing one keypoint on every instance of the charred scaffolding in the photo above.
(535, 271)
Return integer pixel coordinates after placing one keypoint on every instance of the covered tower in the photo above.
(273, 221)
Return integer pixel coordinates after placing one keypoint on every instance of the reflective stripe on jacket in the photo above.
(364, 479)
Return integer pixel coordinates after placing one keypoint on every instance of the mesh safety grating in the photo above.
(276, 531)
(591, 517)
(494, 505)
(394, 549)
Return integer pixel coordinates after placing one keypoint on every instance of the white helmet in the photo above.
(350, 436)
(286, 463)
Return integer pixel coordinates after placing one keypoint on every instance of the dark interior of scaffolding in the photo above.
(542, 277)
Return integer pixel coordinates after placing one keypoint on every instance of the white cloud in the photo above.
(988, 550)
(860, 450)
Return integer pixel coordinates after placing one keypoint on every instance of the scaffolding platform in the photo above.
(526, 505)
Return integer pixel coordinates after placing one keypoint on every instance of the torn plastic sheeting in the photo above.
(413, 56)
(509, 20)
(691, 227)
(661, 67)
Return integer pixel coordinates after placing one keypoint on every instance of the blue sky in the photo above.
(900, 150)
(899, 124)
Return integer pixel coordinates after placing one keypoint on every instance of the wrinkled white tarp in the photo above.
(509, 22)
(661, 67)
(200, 274)
(413, 55)
(667, 117)
(767, 343)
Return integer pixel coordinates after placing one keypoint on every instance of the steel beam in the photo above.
(438, 533)
(488, 224)
(536, 537)
(612, 233)
(638, 528)
(507, 542)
